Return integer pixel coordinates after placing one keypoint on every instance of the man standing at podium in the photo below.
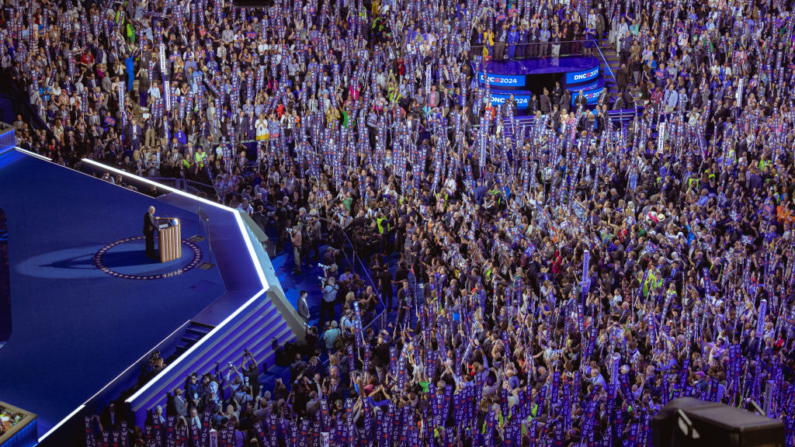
(150, 226)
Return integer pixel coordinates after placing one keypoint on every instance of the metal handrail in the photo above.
(372, 283)
(614, 115)
(380, 315)
(607, 65)
(473, 48)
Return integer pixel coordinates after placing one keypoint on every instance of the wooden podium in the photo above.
(169, 237)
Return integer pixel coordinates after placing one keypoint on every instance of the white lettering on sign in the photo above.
(501, 80)
(588, 75)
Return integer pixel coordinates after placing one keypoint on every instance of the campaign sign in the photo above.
(503, 80)
(522, 101)
(582, 76)
(591, 95)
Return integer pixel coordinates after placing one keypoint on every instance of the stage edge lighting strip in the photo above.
(32, 154)
(143, 357)
(52, 430)
(198, 345)
(238, 219)
(249, 246)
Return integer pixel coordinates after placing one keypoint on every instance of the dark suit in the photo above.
(336, 392)
(622, 79)
(546, 107)
(150, 226)
(602, 96)
(180, 406)
(110, 421)
(99, 57)
(303, 309)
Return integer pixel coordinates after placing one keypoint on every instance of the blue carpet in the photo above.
(308, 280)
(293, 284)
(75, 327)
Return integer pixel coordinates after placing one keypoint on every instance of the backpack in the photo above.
(338, 342)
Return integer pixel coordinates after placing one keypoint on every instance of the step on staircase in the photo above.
(138, 111)
(195, 332)
(254, 328)
(613, 63)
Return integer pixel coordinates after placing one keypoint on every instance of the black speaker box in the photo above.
(713, 424)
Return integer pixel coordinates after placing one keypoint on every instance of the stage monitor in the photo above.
(687, 422)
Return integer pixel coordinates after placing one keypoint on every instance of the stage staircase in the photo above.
(609, 67)
(254, 327)
(195, 332)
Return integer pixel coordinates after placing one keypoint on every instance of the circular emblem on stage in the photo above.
(127, 259)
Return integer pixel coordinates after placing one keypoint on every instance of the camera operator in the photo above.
(330, 289)
(156, 364)
(251, 372)
(282, 218)
(329, 264)
(241, 392)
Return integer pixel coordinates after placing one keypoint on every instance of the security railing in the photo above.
(353, 259)
(531, 50)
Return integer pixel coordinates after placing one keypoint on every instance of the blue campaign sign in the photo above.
(503, 80)
(582, 76)
(591, 95)
(522, 101)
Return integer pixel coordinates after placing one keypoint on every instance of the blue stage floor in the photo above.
(76, 327)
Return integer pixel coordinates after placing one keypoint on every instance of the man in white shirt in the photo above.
(153, 91)
(245, 206)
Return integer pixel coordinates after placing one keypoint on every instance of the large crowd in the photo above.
(557, 287)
